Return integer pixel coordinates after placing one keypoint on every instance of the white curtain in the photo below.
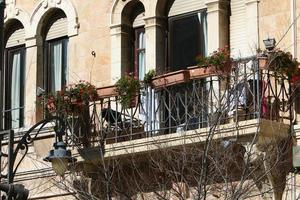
(142, 62)
(16, 90)
(202, 16)
(56, 65)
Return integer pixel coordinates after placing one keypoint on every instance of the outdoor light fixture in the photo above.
(60, 157)
(270, 43)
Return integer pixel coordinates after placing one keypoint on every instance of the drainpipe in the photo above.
(294, 28)
(2, 7)
(295, 53)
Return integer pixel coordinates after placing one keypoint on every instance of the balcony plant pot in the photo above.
(108, 91)
(171, 78)
(197, 72)
(262, 62)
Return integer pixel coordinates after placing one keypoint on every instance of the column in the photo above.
(155, 42)
(217, 24)
(33, 59)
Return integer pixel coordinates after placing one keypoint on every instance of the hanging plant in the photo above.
(127, 88)
(283, 63)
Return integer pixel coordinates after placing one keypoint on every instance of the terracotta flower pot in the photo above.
(262, 62)
(171, 78)
(197, 72)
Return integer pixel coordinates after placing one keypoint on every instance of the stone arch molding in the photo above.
(44, 6)
(13, 12)
(117, 8)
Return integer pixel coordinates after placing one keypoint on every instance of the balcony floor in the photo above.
(265, 130)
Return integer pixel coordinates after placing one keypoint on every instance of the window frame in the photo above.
(137, 50)
(8, 60)
(47, 62)
(169, 36)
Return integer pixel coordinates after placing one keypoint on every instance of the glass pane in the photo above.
(16, 89)
(142, 40)
(56, 65)
(141, 65)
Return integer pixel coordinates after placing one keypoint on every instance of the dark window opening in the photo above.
(186, 39)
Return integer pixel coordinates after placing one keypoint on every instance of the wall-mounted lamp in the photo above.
(270, 43)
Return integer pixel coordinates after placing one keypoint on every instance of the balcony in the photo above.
(186, 110)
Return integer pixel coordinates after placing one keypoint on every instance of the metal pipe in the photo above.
(2, 7)
(294, 27)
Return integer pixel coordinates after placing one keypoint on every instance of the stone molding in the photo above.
(117, 8)
(44, 6)
(13, 12)
(32, 24)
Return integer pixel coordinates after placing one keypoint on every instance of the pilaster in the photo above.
(155, 42)
(217, 24)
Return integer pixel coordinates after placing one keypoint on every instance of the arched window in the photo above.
(14, 75)
(55, 41)
(133, 39)
(187, 33)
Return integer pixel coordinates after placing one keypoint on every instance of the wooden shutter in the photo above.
(58, 29)
(17, 38)
(186, 6)
(238, 29)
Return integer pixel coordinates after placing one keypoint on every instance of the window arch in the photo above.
(14, 71)
(133, 39)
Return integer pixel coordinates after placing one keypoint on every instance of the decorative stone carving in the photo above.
(44, 6)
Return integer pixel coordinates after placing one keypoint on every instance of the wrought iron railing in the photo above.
(248, 92)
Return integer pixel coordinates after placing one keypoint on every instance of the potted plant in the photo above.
(282, 63)
(149, 77)
(127, 87)
(219, 63)
(71, 99)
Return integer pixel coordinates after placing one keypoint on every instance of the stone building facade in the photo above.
(95, 41)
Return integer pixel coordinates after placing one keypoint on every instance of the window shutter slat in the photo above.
(238, 29)
(17, 38)
(186, 6)
(58, 29)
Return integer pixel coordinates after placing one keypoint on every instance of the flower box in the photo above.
(197, 72)
(201, 72)
(171, 78)
(108, 91)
